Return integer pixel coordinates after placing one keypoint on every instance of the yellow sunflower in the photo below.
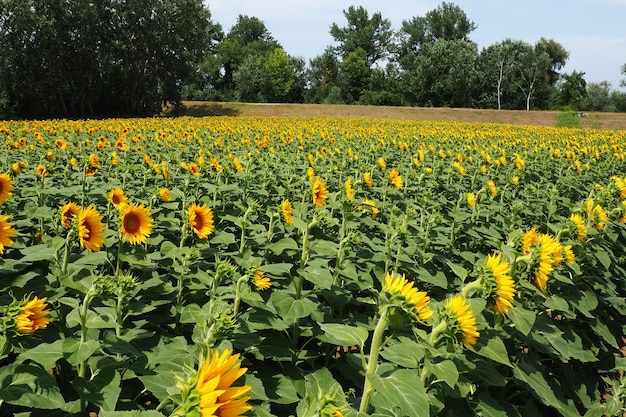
(319, 191)
(504, 284)
(396, 179)
(261, 281)
(349, 189)
(548, 247)
(136, 223)
(463, 322)
(6, 187)
(33, 316)
(41, 170)
(287, 209)
(201, 220)
(90, 229)
(580, 225)
(194, 169)
(493, 190)
(530, 238)
(217, 395)
(118, 198)
(94, 161)
(165, 194)
(396, 284)
(68, 211)
(367, 177)
(6, 233)
(382, 164)
(471, 200)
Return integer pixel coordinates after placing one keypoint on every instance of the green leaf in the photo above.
(494, 349)
(407, 353)
(458, 270)
(45, 354)
(291, 309)
(30, 386)
(604, 258)
(103, 389)
(343, 335)
(522, 319)
(446, 371)
(284, 244)
(403, 389)
(76, 352)
(317, 273)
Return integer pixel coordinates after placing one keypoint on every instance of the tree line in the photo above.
(79, 58)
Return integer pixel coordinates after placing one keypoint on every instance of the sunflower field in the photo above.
(305, 266)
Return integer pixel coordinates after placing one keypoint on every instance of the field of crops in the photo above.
(311, 266)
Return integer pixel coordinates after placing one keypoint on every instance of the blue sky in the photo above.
(592, 31)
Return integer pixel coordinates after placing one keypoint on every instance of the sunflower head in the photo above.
(396, 179)
(90, 229)
(498, 285)
(165, 194)
(201, 220)
(261, 282)
(6, 233)
(136, 222)
(6, 187)
(319, 192)
(471, 200)
(349, 189)
(210, 391)
(287, 210)
(399, 292)
(27, 316)
(579, 227)
(460, 321)
(118, 198)
(67, 213)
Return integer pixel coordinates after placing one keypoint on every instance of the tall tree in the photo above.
(572, 89)
(373, 35)
(498, 62)
(534, 63)
(558, 57)
(354, 76)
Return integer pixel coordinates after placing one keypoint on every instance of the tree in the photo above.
(447, 22)
(281, 76)
(248, 37)
(558, 57)
(322, 75)
(598, 97)
(572, 89)
(498, 62)
(355, 72)
(371, 35)
(445, 75)
(533, 65)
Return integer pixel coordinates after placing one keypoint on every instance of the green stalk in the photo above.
(82, 367)
(238, 294)
(377, 339)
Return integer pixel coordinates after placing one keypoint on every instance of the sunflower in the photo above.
(548, 247)
(287, 209)
(94, 161)
(493, 190)
(61, 144)
(201, 220)
(319, 191)
(90, 229)
(165, 195)
(216, 164)
(367, 177)
(382, 164)
(471, 200)
(310, 173)
(530, 238)
(6, 233)
(462, 320)
(194, 169)
(237, 164)
(118, 198)
(33, 316)
(67, 213)
(260, 281)
(41, 170)
(6, 187)
(580, 225)
(215, 378)
(372, 206)
(419, 300)
(602, 217)
(396, 179)
(504, 284)
(349, 189)
(136, 223)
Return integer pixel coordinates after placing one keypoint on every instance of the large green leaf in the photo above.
(494, 349)
(343, 335)
(446, 371)
(30, 386)
(403, 389)
(76, 351)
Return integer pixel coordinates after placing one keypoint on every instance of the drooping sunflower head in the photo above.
(6, 187)
(460, 320)
(261, 281)
(6, 233)
(580, 226)
(382, 164)
(530, 238)
(319, 192)
(165, 194)
(371, 205)
(287, 210)
(136, 222)
(67, 213)
(367, 177)
(396, 179)
(546, 260)
(403, 294)
(33, 315)
(493, 190)
(471, 200)
(349, 189)
(118, 198)
(201, 220)
(90, 229)
(498, 284)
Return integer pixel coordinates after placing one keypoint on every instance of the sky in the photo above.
(592, 31)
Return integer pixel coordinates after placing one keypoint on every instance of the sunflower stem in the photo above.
(237, 301)
(66, 252)
(377, 339)
(471, 286)
(434, 334)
